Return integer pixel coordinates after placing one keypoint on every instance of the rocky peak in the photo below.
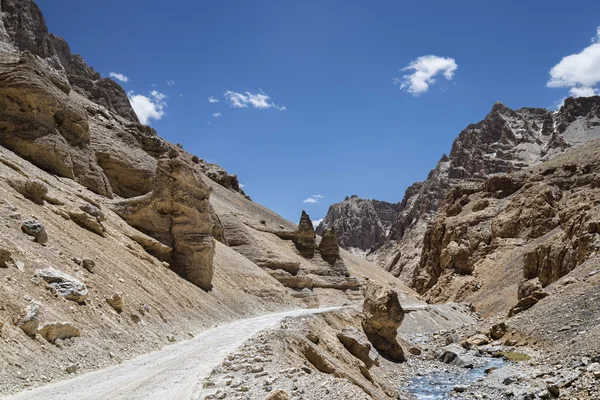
(361, 225)
(304, 236)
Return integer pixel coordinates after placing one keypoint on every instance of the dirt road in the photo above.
(175, 372)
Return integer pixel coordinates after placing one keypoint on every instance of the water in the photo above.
(438, 385)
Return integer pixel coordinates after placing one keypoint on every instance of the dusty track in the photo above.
(176, 372)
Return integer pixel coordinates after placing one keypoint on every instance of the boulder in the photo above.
(58, 330)
(65, 285)
(357, 344)
(5, 258)
(278, 394)
(382, 316)
(478, 340)
(527, 287)
(329, 248)
(498, 330)
(36, 229)
(117, 301)
(88, 264)
(527, 302)
(304, 236)
(30, 321)
(177, 214)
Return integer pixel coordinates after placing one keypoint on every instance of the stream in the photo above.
(439, 385)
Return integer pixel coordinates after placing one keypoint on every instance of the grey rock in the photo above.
(64, 284)
(30, 321)
(36, 229)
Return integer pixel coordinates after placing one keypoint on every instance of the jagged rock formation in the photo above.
(304, 236)
(382, 316)
(535, 226)
(329, 248)
(361, 225)
(176, 213)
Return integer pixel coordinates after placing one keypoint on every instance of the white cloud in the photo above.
(316, 222)
(150, 107)
(242, 185)
(119, 77)
(314, 199)
(579, 72)
(211, 99)
(259, 100)
(217, 115)
(425, 70)
(170, 82)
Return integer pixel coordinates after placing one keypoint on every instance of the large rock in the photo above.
(278, 394)
(357, 344)
(382, 316)
(29, 322)
(304, 236)
(52, 332)
(176, 213)
(329, 248)
(64, 284)
(36, 229)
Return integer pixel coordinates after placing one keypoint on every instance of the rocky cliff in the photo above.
(361, 225)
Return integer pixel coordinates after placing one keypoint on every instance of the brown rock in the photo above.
(382, 316)
(498, 330)
(51, 332)
(5, 258)
(117, 301)
(31, 189)
(176, 213)
(357, 344)
(304, 236)
(278, 394)
(329, 248)
(86, 221)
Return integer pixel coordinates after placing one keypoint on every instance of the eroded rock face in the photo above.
(176, 213)
(304, 236)
(26, 30)
(382, 316)
(538, 223)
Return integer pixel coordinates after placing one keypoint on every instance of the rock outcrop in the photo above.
(304, 236)
(361, 225)
(176, 213)
(329, 248)
(537, 226)
(382, 316)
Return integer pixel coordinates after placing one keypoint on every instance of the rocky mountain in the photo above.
(361, 225)
(504, 141)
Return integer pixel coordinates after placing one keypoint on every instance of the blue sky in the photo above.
(336, 121)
